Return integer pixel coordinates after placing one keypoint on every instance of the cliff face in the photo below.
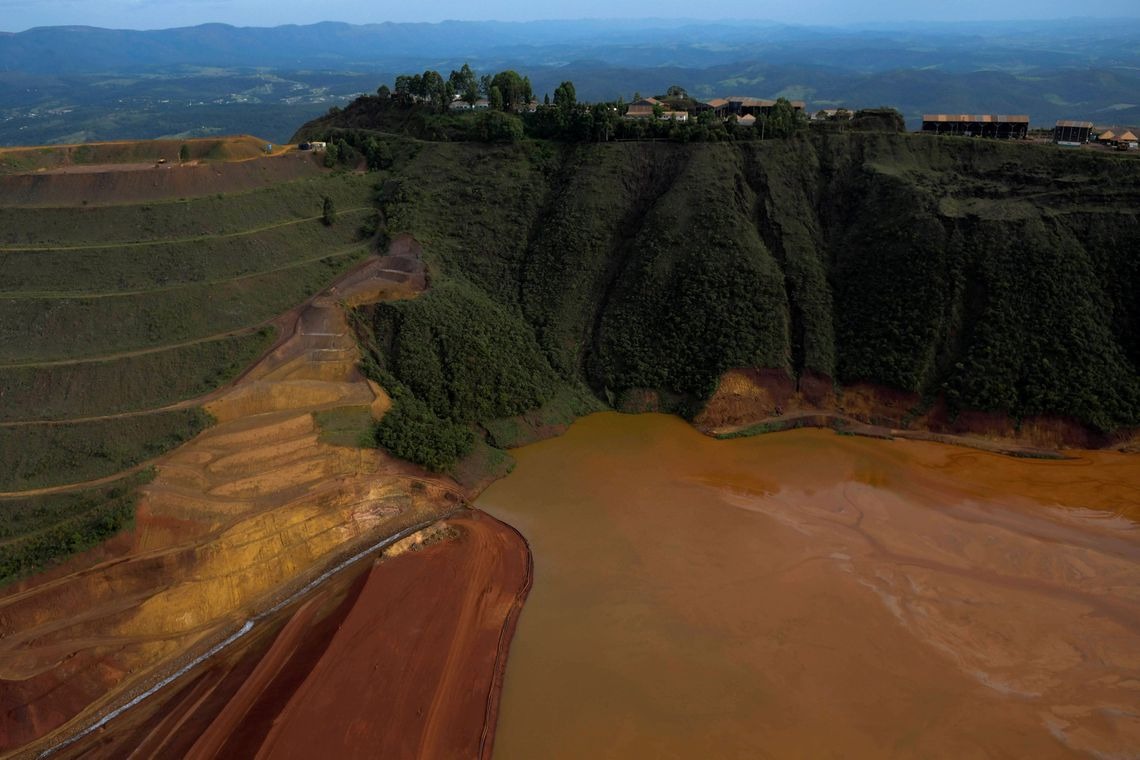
(968, 274)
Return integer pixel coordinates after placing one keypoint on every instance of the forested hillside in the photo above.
(992, 276)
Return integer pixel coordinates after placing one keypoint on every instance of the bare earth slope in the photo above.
(235, 518)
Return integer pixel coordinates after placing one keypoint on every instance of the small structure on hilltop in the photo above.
(718, 106)
(1127, 141)
(1072, 133)
(644, 108)
(747, 120)
(976, 125)
(1108, 137)
(741, 106)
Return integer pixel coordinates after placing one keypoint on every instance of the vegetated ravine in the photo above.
(948, 274)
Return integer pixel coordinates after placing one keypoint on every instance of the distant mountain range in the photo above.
(66, 83)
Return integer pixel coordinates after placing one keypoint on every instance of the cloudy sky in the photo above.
(17, 15)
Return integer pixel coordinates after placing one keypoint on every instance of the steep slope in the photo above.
(927, 279)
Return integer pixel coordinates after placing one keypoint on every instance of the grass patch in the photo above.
(39, 456)
(37, 330)
(39, 531)
(223, 214)
(351, 426)
(146, 381)
(165, 265)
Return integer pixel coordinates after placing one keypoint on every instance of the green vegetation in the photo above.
(109, 314)
(172, 221)
(51, 329)
(47, 454)
(451, 358)
(465, 356)
(508, 120)
(143, 381)
(998, 276)
(412, 431)
(37, 531)
(160, 265)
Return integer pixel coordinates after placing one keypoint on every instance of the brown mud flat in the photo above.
(770, 400)
(235, 519)
(815, 595)
(95, 185)
(400, 658)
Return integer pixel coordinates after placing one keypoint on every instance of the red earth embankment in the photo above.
(415, 669)
(401, 659)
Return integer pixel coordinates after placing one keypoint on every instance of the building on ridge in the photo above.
(643, 109)
(1072, 133)
(976, 125)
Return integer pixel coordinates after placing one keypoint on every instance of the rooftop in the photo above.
(976, 118)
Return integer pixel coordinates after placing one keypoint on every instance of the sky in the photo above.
(17, 15)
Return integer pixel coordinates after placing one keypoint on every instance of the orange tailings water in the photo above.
(807, 594)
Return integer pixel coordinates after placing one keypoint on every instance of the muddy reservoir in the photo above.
(806, 594)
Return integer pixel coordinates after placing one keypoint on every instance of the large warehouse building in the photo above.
(1072, 132)
(976, 125)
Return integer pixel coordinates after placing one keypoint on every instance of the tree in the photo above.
(676, 91)
(495, 126)
(781, 120)
(496, 98)
(328, 212)
(465, 83)
(383, 92)
(514, 90)
(332, 154)
(184, 153)
(434, 89)
(564, 97)
(377, 155)
(404, 88)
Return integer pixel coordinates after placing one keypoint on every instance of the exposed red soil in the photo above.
(172, 721)
(404, 659)
(416, 668)
(95, 185)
